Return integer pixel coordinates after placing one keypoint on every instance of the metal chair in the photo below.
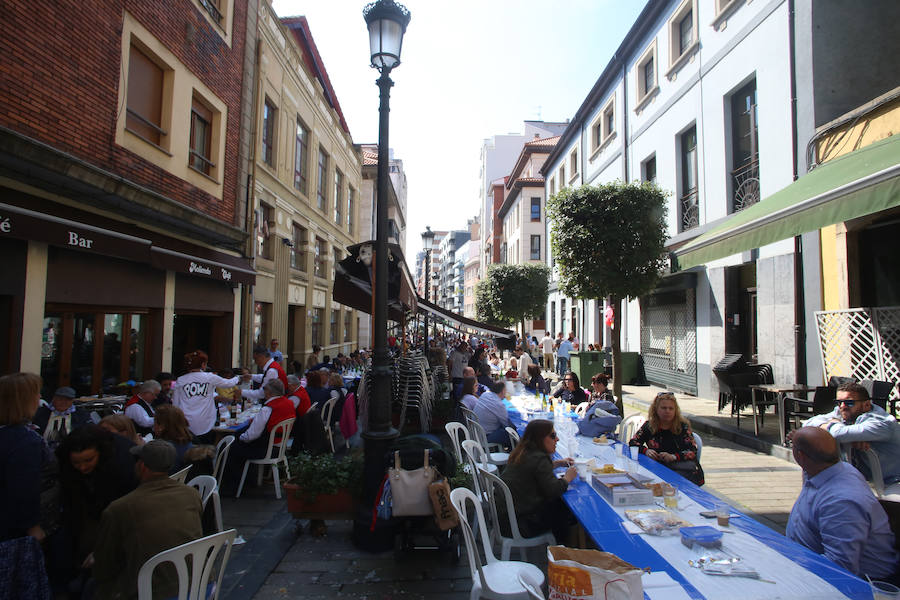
(282, 430)
(492, 484)
(193, 574)
(496, 579)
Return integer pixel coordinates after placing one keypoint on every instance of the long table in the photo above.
(798, 572)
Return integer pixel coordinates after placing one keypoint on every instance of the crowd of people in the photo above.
(96, 494)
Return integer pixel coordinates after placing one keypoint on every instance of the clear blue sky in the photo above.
(470, 69)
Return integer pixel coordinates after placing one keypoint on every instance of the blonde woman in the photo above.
(667, 438)
(123, 426)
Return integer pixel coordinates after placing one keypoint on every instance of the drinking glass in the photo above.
(670, 497)
(723, 513)
(882, 590)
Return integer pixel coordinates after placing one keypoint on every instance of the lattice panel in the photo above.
(860, 342)
(669, 336)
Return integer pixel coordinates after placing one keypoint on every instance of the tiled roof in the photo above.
(528, 181)
(548, 142)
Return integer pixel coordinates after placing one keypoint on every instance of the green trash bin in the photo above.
(628, 370)
(586, 364)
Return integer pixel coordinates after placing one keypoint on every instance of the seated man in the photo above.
(298, 396)
(140, 407)
(836, 513)
(67, 415)
(857, 421)
(479, 387)
(160, 514)
(253, 441)
(492, 415)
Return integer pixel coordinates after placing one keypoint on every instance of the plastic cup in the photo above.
(723, 514)
(635, 452)
(882, 590)
(670, 497)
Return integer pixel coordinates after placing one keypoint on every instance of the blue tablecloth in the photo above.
(607, 530)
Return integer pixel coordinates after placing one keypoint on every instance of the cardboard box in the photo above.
(622, 489)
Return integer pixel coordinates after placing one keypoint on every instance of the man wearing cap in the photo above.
(269, 370)
(160, 514)
(140, 407)
(63, 413)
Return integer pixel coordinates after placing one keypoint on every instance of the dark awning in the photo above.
(857, 184)
(202, 267)
(464, 322)
(353, 283)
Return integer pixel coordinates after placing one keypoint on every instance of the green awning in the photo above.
(857, 184)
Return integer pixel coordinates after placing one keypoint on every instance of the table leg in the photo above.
(780, 397)
(753, 408)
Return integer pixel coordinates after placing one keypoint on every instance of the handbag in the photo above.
(689, 469)
(445, 516)
(409, 489)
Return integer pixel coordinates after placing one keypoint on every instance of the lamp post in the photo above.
(386, 21)
(427, 241)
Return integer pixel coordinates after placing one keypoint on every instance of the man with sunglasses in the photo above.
(861, 424)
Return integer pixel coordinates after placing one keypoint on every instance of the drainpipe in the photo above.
(799, 297)
(250, 294)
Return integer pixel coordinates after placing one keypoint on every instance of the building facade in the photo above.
(123, 188)
(307, 186)
(451, 273)
(691, 103)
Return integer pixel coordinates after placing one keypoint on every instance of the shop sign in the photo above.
(192, 265)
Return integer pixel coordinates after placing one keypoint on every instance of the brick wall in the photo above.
(59, 74)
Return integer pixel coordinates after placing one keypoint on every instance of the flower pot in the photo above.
(325, 506)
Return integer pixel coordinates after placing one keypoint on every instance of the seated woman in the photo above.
(513, 371)
(469, 387)
(600, 392)
(315, 387)
(337, 391)
(121, 425)
(172, 426)
(536, 382)
(667, 438)
(536, 491)
(570, 390)
(492, 414)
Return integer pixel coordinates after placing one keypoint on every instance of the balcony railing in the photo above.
(746, 186)
(213, 10)
(690, 210)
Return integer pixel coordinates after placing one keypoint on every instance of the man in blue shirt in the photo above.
(275, 353)
(492, 414)
(836, 513)
(859, 423)
(562, 357)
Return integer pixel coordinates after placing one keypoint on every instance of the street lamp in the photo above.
(386, 21)
(427, 241)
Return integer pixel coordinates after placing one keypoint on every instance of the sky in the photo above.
(470, 69)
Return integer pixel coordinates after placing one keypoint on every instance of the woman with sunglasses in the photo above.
(570, 390)
(667, 438)
(536, 491)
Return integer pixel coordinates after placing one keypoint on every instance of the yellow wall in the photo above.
(831, 293)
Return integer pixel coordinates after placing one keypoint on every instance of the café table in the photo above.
(232, 425)
(797, 571)
(781, 392)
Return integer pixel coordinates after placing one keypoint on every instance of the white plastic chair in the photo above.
(629, 426)
(222, 449)
(181, 476)
(495, 458)
(492, 483)
(469, 415)
(454, 430)
(533, 587)
(581, 409)
(209, 491)
(478, 456)
(327, 409)
(513, 437)
(193, 579)
(281, 457)
(699, 441)
(495, 579)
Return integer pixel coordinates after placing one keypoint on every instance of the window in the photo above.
(338, 197)
(318, 315)
(745, 148)
(552, 317)
(535, 247)
(321, 250)
(298, 252)
(268, 133)
(351, 201)
(214, 8)
(301, 150)
(552, 186)
(689, 205)
(685, 32)
(333, 326)
(201, 138)
(348, 319)
(144, 111)
(336, 253)
(648, 170)
(573, 163)
(646, 77)
(605, 126)
(322, 179)
(723, 9)
(562, 177)
(263, 239)
(682, 38)
(535, 209)
(562, 315)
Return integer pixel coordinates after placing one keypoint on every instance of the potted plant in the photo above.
(324, 486)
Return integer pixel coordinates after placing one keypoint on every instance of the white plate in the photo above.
(606, 443)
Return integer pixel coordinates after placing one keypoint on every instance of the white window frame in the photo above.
(600, 126)
(677, 58)
(645, 95)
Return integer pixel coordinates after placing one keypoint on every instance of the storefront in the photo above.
(669, 334)
(98, 305)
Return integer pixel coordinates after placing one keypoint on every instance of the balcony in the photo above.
(690, 210)
(746, 186)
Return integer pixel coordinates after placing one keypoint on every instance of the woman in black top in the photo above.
(570, 390)
(667, 438)
(536, 381)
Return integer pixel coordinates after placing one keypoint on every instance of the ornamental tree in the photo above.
(609, 242)
(512, 293)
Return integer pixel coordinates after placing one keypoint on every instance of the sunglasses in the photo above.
(553, 435)
(665, 395)
(568, 379)
(847, 402)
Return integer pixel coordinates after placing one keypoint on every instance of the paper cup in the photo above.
(882, 590)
